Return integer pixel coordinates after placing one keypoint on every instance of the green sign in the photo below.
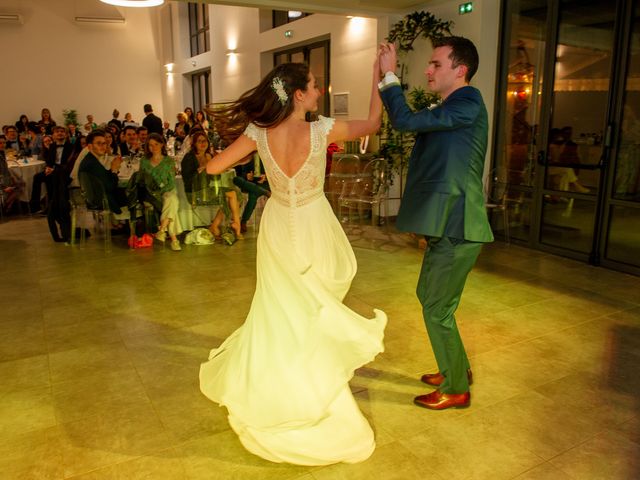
(465, 8)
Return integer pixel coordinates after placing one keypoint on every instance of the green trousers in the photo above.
(445, 267)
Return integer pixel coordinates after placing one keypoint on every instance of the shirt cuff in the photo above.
(389, 80)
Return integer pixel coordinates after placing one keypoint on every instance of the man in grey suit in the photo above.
(443, 200)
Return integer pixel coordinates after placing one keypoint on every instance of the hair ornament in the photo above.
(278, 86)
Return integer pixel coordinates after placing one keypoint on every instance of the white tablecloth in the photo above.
(26, 171)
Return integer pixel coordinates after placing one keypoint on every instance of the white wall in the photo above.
(52, 61)
(353, 48)
(229, 28)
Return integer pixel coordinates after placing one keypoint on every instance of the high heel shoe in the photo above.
(215, 231)
(237, 229)
(160, 235)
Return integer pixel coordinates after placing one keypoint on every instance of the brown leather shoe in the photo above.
(436, 379)
(437, 400)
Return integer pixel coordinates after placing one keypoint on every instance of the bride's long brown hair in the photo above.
(260, 105)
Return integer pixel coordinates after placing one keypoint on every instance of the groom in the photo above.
(443, 200)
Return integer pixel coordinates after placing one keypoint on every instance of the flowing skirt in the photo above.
(283, 375)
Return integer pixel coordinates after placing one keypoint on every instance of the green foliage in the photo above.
(419, 99)
(70, 117)
(396, 146)
(415, 25)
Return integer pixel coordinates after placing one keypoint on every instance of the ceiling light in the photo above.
(100, 19)
(10, 18)
(294, 14)
(134, 3)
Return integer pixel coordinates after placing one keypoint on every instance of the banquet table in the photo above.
(26, 170)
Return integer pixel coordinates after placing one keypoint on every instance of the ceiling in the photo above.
(344, 7)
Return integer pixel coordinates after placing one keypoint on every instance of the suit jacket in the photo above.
(107, 178)
(153, 123)
(444, 194)
(50, 156)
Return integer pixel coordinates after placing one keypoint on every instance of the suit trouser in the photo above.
(445, 267)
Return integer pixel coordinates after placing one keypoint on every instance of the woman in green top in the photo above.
(158, 175)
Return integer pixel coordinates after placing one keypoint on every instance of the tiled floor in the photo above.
(99, 357)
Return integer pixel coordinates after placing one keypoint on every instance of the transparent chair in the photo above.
(495, 190)
(96, 202)
(210, 191)
(365, 193)
(343, 169)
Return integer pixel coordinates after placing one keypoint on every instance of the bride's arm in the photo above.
(347, 130)
(233, 154)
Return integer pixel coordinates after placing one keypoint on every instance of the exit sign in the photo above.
(465, 8)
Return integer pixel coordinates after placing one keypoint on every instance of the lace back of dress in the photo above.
(308, 183)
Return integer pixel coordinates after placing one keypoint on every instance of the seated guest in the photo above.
(166, 131)
(182, 127)
(193, 165)
(74, 134)
(112, 146)
(13, 142)
(114, 120)
(10, 184)
(90, 126)
(252, 183)
(47, 141)
(129, 122)
(46, 123)
(201, 119)
(131, 145)
(22, 123)
(34, 139)
(108, 178)
(56, 158)
(157, 183)
(142, 133)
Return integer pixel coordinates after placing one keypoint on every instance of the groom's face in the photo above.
(441, 74)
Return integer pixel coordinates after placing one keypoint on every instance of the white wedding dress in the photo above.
(283, 375)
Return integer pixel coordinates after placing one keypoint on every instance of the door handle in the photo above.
(542, 157)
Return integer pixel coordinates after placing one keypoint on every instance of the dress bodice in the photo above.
(308, 182)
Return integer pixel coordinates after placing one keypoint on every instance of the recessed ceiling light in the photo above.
(294, 14)
(134, 3)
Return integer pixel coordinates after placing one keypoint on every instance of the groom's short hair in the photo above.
(463, 52)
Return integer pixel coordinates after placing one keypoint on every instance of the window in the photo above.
(316, 55)
(282, 17)
(200, 86)
(199, 28)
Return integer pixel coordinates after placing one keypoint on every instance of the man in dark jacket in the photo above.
(444, 201)
(57, 160)
(151, 121)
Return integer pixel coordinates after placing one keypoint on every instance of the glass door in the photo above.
(567, 146)
(576, 125)
(621, 232)
(518, 134)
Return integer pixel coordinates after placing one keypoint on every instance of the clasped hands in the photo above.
(386, 59)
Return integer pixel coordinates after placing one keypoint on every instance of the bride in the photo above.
(283, 375)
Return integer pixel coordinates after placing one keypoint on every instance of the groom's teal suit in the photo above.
(443, 200)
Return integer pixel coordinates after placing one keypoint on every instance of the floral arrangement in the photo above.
(278, 86)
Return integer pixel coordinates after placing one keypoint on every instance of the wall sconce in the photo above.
(193, 63)
(231, 52)
(288, 34)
